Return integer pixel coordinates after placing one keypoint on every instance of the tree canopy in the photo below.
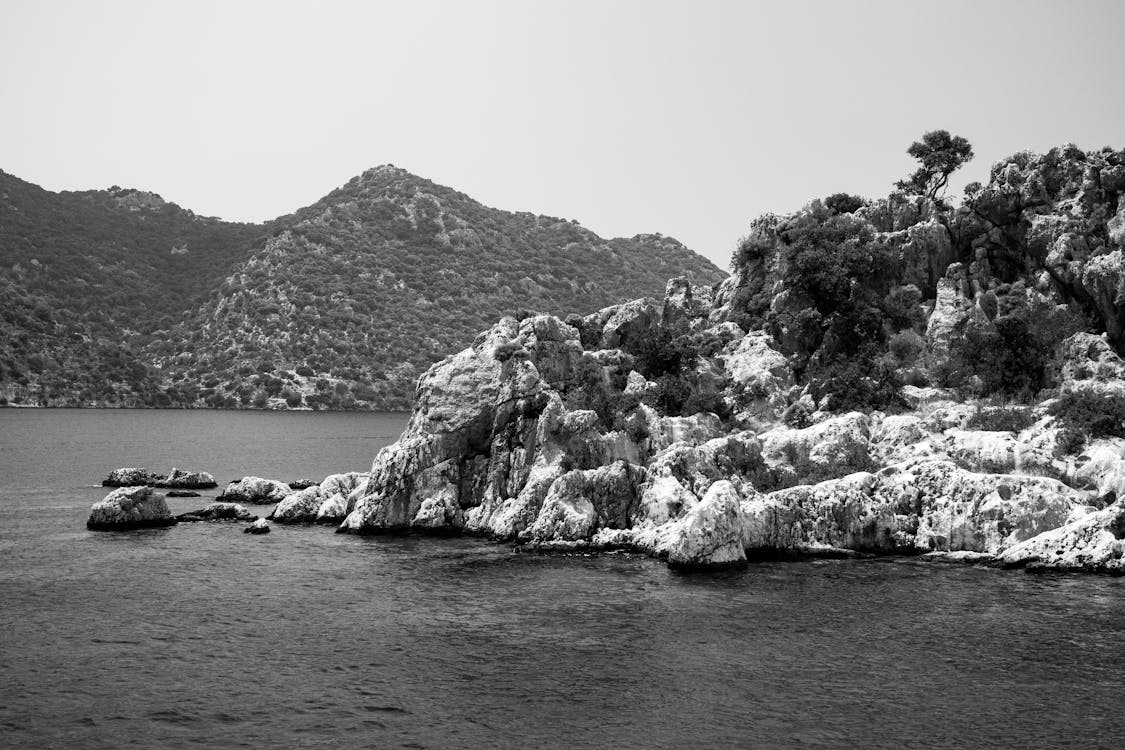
(941, 154)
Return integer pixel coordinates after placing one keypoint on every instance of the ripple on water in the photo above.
(198, 636)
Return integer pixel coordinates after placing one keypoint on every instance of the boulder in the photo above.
(332, 510)
(219, 512)
(630, 323)
(710, 534)
(1092, 543)
(255, 490)
(131, 477)
(298, 507)
(261, 526)
(302, 484)
(180, 479)
(130, 508)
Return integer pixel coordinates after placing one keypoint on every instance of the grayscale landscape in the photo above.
(804, 428)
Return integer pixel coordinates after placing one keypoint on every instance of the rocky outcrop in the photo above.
(219, 512)
(707, 428)
(131, 477)
(328, 502)
(176, 479)
(130, 508)
(710, 534)
(1093, 543)
(760, 375)
(261, 526)
(255, 490)
(179, 479)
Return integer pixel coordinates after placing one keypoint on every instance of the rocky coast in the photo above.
(946, 389)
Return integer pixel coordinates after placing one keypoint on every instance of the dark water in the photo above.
(201, 636)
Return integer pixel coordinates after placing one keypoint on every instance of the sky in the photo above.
(685, 118)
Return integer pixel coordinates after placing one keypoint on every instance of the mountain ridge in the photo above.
(153, 281)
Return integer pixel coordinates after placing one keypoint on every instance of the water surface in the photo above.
(201, 636)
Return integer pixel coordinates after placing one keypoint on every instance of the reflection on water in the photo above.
(201, 635)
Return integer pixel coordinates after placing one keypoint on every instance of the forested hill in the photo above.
(119, 298)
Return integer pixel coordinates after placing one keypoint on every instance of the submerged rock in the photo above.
(130, 508)
(255, 490)
(219, 512)
(261, 526)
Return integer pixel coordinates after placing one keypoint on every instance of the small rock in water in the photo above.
(261, 526)
(181, 493)
(130, 508)
(131, 476)
(255, 490)
(187, 480)
(220, 512)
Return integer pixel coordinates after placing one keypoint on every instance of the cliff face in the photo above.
(119, 298)
(824, 399)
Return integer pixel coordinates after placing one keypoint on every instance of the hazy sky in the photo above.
(687, 118)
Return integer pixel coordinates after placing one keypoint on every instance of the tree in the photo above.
(940, 154)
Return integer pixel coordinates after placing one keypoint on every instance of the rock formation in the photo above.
(255, 490)
(130, 508)
(219, 512)
(261, 526)
(327, 502)
(178, 479)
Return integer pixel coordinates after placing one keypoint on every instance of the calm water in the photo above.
(201, 636)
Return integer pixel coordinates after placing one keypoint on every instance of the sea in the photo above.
(200, 636)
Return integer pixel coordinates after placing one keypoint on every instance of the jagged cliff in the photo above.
(895, 376)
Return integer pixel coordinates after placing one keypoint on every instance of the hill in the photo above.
(119, 298)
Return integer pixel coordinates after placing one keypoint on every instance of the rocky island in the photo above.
(891, 376)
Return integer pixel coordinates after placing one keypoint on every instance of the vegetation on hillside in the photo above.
(118, 298)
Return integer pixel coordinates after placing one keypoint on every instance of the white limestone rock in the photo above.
(129, 508)
(130, 476)
(759, 374)
(835, 447)
(298, 507)
(255, 490)
(946, 508)
(710, 535)
(261, 526)
(1092, 543)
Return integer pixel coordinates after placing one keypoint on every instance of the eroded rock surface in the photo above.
(255, 490)
(130, 508)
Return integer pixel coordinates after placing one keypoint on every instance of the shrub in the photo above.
(843, 203)
(906, 346)
(861, 382)
(1001, 419)
(1088, 413)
